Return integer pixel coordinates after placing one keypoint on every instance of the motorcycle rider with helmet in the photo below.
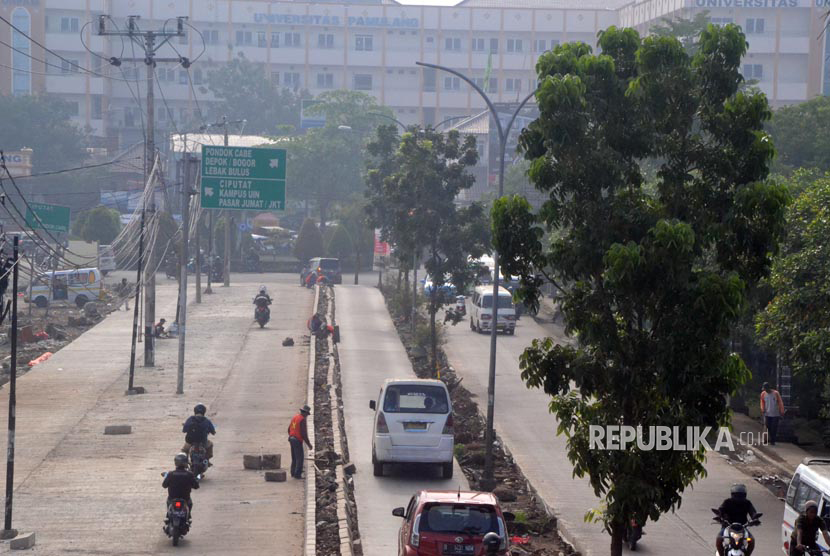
(196, 429)
(180, 481)
(736, 509)
(263, 299)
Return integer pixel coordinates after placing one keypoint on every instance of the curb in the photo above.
(344, 527)
(311, 471)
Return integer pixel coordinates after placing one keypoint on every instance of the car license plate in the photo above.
(451, 549)
(414, 426)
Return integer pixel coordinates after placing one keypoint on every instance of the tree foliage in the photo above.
(687, 31)
(796, 323)
(246, 93)
(656, 280)
(340, 246)
(309, 241)
(99, 224)
(801, 133)
(415, 205)
(42, 123)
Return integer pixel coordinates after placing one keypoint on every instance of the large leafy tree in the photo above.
(99, 224)
(796, 323)
(245, 92)
(687, 31)
(656, 276)
(802, 135)
(42, 123)
(309, 241)
(418, 199)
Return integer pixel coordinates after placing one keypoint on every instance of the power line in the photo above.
(75, 169)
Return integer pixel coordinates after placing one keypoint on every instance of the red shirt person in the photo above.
(297, 435)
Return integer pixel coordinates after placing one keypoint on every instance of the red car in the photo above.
(452, 523)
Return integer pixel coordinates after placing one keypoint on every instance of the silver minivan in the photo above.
(481, 313)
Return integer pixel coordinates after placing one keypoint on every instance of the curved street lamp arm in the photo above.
(388, 118)
(519, 109)
(474, 86)
(439, 124)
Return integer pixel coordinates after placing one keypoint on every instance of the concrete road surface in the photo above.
(86, 493)
(529, 431)
(370, 352)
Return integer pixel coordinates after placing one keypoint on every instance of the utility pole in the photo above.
(227, 273)
(182, 320)
(8, 532)
(210, 253)
(151, 41)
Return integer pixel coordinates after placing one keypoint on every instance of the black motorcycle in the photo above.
(735, 535)
(177, 522)
(262, 315)
(199, 462)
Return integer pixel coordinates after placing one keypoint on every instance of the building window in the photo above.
(21, 63)
(292, 39)
(74, 110)
(291, 80)
(325, 81)
(753, 71)
(261, 39)
(69, 66)
(754, 26)
(514, 45)
(362, 82)
(494, 46)
(197, 76)
(325, 40)
(183, 38)
(452, 84)
(429, 80)
(183, 80)
(540, 45)
(244, 38)
(211, 36)
(452, 44)
(96, 108)
(275, 40)
(69, 25)
(477, 45)
(512, 85)
(363, 42)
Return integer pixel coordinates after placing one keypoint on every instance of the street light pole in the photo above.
(487, 481)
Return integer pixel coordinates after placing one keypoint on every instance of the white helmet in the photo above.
(262, 289)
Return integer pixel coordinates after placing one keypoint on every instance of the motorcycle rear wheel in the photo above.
(176, 537)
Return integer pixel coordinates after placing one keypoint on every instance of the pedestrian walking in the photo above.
(123, 292)
(297, 435)
(772, 408)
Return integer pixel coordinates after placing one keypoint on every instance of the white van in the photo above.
(413, 424)
(481, 313)
(811, 481)
(77, 286)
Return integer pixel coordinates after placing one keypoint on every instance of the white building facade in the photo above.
(369, 47)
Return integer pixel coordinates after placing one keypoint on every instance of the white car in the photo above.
(481, 311)
(413, 424)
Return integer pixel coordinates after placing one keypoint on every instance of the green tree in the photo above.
(42, 123)
(352, 217)
(245, 92)
(801, 133)
(687, 31)
(431, 170)
(99, 224)
(796, 323)
(309, 241)
(341, 245)
(656, 281)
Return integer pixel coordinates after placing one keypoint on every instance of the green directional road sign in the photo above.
(53, 218)
(243, 178)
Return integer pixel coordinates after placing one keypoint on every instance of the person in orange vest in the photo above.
(297, 434)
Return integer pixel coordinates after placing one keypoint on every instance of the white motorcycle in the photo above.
(736, 536)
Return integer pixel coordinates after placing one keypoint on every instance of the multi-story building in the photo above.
(366, 46)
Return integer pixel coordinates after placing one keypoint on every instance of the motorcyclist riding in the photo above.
(196, 428)
(736, 509)
(806, 529)
(180, 482)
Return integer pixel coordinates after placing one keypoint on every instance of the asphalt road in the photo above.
(83, 492)
(370, 352)
(529, 431)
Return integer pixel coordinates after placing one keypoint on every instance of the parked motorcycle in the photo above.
(460, 305)
(736, 535)
(633, 533)
(199, 462)
(177, 522)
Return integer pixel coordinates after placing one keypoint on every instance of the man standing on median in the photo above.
(297, 434)
(772, 408)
